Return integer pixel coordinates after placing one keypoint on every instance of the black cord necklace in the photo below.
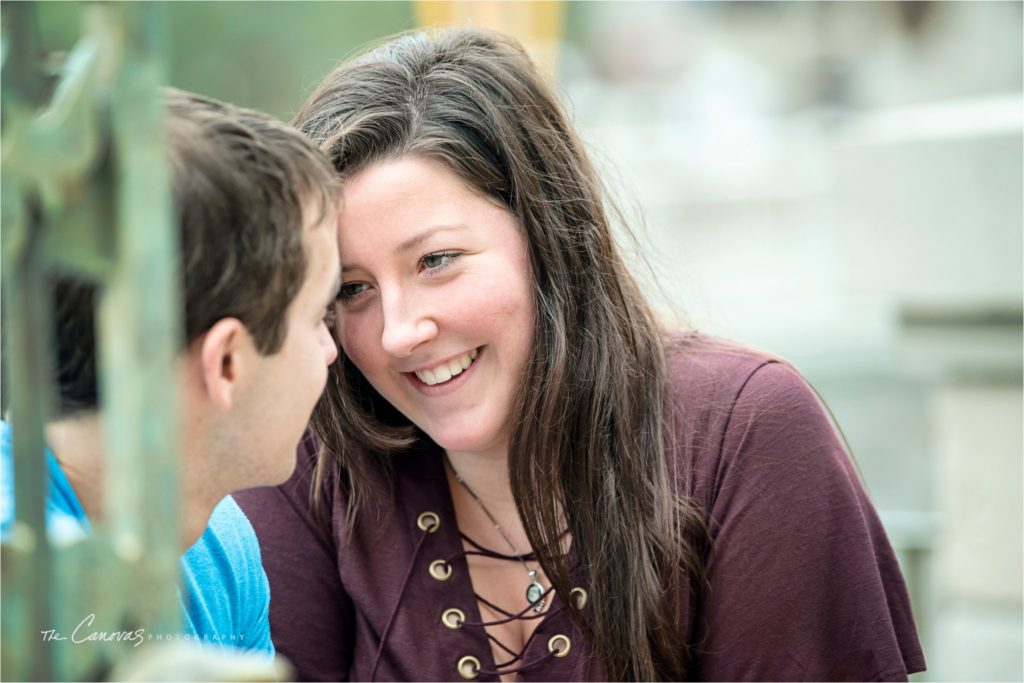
(534, 590)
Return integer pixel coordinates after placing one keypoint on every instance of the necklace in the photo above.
(534, 589)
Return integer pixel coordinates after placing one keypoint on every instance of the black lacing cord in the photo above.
(398, 602)
(522, 615)
(518, 669)
(487, 552)
(512, 616)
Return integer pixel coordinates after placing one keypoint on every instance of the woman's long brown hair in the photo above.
(589, 442)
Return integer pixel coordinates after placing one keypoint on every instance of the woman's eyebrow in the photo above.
(409, 243)
(423, 236)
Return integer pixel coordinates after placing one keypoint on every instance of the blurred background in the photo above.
(839, 183)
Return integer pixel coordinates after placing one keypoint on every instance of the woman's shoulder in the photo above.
(704, 370)
(784, 504)
(732, 406)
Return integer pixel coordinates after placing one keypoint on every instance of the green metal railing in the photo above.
(85, 194)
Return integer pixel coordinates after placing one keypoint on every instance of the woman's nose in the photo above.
(406, 326)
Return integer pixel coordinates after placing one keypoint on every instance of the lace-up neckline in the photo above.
(471, 629)
(514, 661)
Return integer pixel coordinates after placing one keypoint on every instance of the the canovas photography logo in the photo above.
(85, 632)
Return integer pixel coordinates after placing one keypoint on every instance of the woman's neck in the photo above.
(485, 492)
(485, 473)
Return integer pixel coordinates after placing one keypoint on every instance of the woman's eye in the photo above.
(351, 290)
(439, 260)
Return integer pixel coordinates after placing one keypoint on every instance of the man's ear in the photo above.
(223, 352)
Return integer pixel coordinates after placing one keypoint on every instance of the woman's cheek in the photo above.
(362, 346)
(347, 338)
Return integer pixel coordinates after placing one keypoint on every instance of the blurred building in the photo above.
(841, 183)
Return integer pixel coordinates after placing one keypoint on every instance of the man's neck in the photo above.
(78, 444)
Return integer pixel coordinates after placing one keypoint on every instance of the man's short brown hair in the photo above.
(244, 184)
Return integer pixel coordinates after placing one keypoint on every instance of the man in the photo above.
(256, 210)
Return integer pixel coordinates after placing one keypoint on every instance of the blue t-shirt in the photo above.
(225, 597)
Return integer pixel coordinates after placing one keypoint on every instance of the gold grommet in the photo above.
(440, 570)
(469, 667)
(579, 596)
(559, 645)
(429, 522)
(453, 618)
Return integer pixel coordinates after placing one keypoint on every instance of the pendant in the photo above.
(535, 593)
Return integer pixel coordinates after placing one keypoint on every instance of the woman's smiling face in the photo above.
(436, 301)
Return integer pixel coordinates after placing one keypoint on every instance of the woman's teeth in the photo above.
(445, 371)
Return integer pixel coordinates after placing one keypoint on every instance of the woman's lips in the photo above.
(451, 384)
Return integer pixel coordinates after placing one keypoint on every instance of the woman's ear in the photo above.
(222, 355)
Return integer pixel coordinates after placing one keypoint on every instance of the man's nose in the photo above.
(330, 346)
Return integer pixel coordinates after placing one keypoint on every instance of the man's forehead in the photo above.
(322, 251)
(321, 211)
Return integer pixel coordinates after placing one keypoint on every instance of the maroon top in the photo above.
(803, 584)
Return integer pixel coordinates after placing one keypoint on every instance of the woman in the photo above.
(521, 474)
